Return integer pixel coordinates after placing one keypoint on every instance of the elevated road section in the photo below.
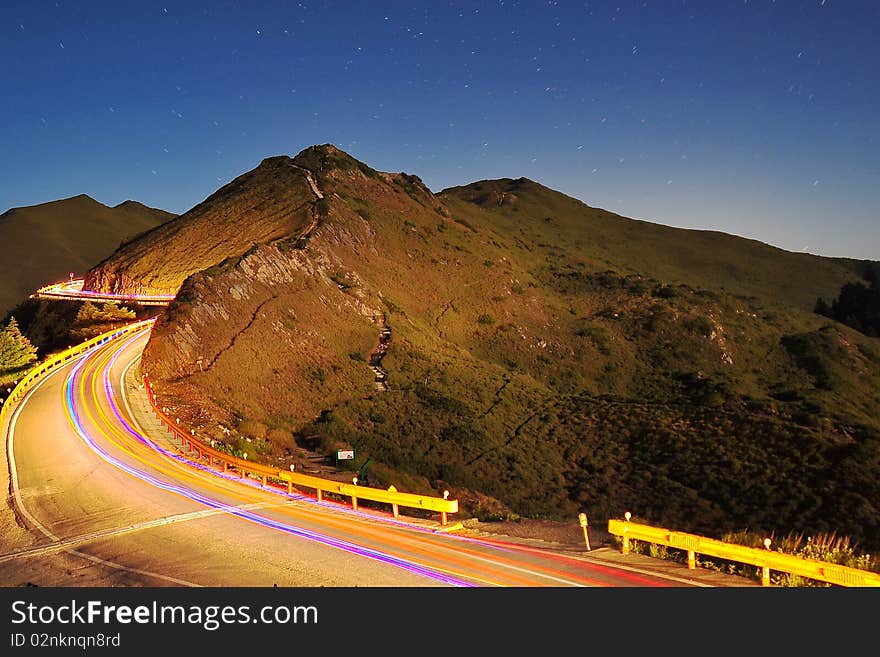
(72, 290)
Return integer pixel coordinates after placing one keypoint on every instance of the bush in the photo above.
(827, 547)
(703, 326)
(665, 292)
(281, 438)
(253, 429)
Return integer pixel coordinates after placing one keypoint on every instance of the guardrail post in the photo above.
(319, 494)
(765, 576)
(394, 508)
(692, 560)
(443, 513)
(265, 478)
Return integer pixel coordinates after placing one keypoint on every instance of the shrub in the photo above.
(703, 326)
(665, 292)
(253, 429)
(281, 438)
(464, 223)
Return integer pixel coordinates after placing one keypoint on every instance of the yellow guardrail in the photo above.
(765, 559)
(34, 374)
(267, 473)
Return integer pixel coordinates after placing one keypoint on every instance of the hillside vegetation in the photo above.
(71, 235)
(546, 357)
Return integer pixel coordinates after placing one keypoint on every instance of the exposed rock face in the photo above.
(262, 323)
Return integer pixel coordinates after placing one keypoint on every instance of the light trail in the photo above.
(73, 290)
(408, 544)
(504, 561)
(76, 422)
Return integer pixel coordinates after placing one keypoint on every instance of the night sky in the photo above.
(753, 117)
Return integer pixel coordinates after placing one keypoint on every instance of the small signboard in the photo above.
(344, 455)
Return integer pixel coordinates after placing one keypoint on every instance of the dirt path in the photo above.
(316, 212)
(379, 352)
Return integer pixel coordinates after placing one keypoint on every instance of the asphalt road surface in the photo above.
(108, 505)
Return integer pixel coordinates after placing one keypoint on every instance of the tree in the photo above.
(16, 350)
(857, 306)
(91, 320)
(110, 312)
(872, 275)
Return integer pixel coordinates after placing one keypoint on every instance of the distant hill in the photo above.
(545, 221)
(44, 243)
(545, 357)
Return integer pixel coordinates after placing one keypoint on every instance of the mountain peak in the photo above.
(128, 203)
(322, 158)
(83, 197)
(316, 158)
(327, 150)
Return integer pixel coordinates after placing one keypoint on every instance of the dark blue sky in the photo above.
(753, 117)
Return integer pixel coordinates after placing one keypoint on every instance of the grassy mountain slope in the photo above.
(270, 202)
(547, 222)
(43, 243)
(533, 368)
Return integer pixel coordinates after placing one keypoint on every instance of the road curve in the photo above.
(72, 290)
(108, 502)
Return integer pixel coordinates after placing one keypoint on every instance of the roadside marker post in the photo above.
(624, 548)
(582, 518)
(765, 570)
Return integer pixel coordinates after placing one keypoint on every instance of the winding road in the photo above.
(109, 504)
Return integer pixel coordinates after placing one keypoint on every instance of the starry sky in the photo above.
(753, 117)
